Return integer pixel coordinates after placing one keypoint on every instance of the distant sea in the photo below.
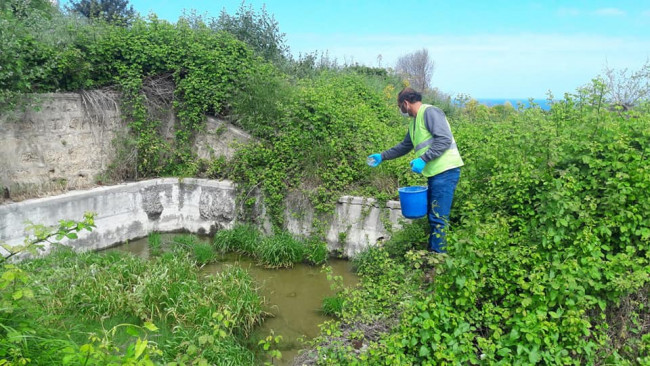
(490, 102)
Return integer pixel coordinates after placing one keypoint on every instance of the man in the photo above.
(437, 158)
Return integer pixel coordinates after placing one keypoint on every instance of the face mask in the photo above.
(405, 114)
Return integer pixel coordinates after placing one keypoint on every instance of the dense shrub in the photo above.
(549, 237)
(328, 127)
(205, 67)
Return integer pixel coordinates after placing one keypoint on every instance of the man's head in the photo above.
(407, 99)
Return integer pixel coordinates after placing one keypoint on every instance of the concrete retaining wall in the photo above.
(64, 142)
(357, 223)
(133, 210)
(61, 142)
(55, 145)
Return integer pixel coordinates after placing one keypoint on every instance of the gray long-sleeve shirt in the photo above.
(435, 121)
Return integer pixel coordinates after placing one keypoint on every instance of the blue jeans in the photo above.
(439, 198)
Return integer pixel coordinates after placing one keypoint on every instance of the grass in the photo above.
(155, 243)
(199, 318)
(243, 238)
(332, 305)
(276, 251)
(280, 251)
(202, 252)
(82, 293)
(316, 251)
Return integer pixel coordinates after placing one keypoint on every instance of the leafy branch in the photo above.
(43, 235)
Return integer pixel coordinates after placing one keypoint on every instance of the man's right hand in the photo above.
(374, 160)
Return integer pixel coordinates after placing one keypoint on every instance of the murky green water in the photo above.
(293, 296)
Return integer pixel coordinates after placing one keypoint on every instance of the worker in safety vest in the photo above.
(436, 157)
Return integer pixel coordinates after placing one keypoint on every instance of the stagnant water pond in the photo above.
(293, 295)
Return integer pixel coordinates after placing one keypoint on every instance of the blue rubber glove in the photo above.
(417, 165)
(374, 160)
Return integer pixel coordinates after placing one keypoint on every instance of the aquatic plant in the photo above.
(242, 238)
(280, 250)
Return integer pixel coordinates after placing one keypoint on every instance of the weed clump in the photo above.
(154, 242)
(202, 252)
(332, 305)
(316, 251)
(280, 250)
(168, 290)
(242, 238)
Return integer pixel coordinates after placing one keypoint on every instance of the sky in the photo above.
(486, 49)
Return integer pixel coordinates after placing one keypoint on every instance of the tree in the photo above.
(260, 31)
(24, 8)
(417, 68)
(117, 12)
(626, 90)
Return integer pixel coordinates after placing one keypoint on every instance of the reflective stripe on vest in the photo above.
(422, 140)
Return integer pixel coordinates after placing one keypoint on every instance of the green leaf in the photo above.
(533, 356)
(17, 295)
(424, 351)
(205, 339)
(150, 326)
(503, 352)
(86, 348)
(191, 349)
(140, 347)
(28, 293)
(514, 334)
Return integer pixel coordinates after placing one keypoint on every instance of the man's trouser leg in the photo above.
(440, 196)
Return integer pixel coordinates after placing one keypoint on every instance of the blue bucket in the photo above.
(413, 201)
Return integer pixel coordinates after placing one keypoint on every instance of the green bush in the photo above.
(412, 236)
(204, 68)
(548, 255)
(336, 107)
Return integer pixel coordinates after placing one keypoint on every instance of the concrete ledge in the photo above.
(128, 211)
(134, 210)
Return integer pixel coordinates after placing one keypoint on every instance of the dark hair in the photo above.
(409, 95)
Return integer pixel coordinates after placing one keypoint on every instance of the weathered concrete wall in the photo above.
(357, 223)
(128, 211)
(55, 147)
(64, 142)
(219, 139)
(133, 210)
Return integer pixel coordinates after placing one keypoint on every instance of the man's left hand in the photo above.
(417, 165)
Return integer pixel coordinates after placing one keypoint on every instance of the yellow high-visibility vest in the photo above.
(422, 140)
